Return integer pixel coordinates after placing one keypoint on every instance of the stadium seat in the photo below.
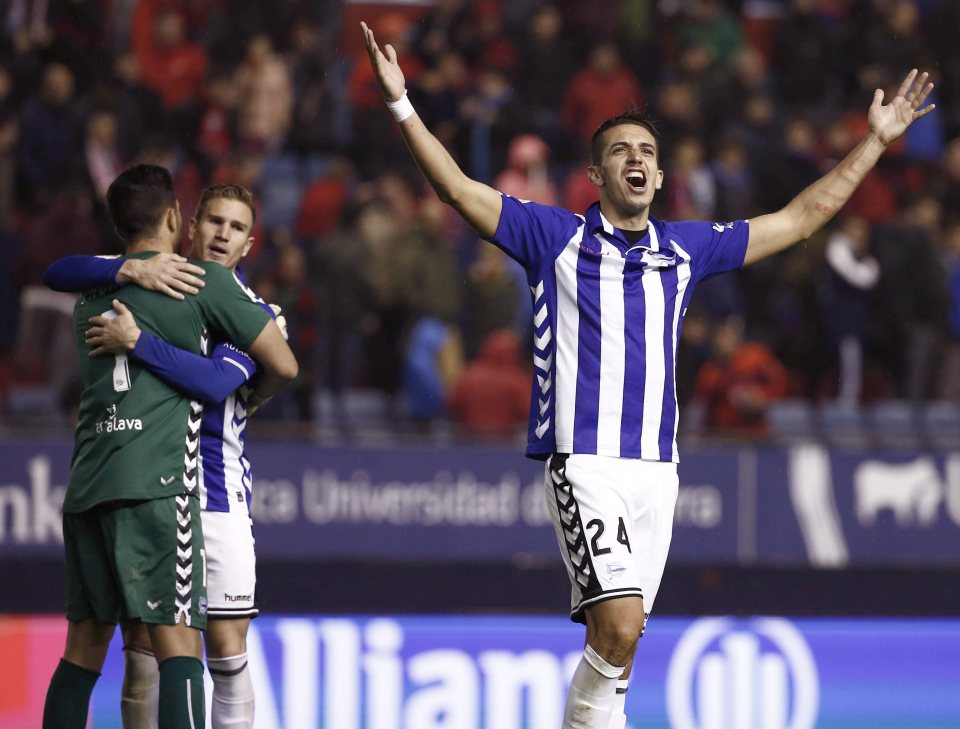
(793, 418)
(893, 423)
(940, 424)
(842, 424)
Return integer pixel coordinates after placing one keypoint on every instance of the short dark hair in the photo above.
(138, 199)
(225, 191)
(630, 116)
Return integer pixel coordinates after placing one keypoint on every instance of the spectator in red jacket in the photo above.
(599, 90)
(739, 381)
(492, 395)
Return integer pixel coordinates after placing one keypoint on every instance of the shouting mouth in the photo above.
(637, 179)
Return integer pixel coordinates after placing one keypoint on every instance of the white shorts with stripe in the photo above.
(231, 564)
(614, 521)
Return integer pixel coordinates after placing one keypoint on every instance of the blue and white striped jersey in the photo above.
(225, 472)
(607, 319)
(226, 475)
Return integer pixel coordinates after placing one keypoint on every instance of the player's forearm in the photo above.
(266, 385)
(823, 199)
(476, 203)
(811, 209)
(81, 273)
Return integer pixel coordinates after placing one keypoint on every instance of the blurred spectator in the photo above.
(103, 159)
(493, 297)
(440, 91)
(440, 30)
(217, 131)
(265, 96)
(493, 117)
(425, 271)
(339, 261)
(374, 133)
(739, 381)
(169, 62)
(913, 295)
(949, 385)
(690, 188)
(527, 175)
(845, 294)
(733, 175)
(319, 76)
(137, 107)
(806, 57)
(710, 32)
(431, 364)
(492, 395)
(287, 285)
(324, 199)
(547, 64)
(49, 145)
(601, 88)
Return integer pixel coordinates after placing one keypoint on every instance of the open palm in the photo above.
(385, 66)
(889, 121)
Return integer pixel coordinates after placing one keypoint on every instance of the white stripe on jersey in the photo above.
(567, 338)
(655, 376)
(613, 351)
(683, 278)
(237, 365)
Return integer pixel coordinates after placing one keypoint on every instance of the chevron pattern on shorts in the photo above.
(191, 450)
(542, 359)
(184, 596)
(574, 535)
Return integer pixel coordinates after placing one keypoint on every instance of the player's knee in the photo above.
(140, 672)
(617, 641)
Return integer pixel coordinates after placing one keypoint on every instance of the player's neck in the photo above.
(152, 244)
(625, 222)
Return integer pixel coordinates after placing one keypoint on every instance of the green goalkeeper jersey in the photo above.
(136, 437)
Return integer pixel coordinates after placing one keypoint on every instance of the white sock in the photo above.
(592, 691)
(232, 706)
(140, 695)
(618, 717)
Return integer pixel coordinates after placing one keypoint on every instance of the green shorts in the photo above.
(139, 560)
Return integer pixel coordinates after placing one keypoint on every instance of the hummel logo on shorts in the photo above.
(166, 480)
(153, 605)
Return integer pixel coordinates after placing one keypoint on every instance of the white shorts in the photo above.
(614, 521)
(231, 564)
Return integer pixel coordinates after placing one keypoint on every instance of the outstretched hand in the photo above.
(384, 66)
(889, 121)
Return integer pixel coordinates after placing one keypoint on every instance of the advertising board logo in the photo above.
(755, 674)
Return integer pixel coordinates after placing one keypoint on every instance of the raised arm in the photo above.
(813, 207)
(167, 273)
(477, 203)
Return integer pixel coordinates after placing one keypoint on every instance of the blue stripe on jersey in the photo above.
(589, 352)
(211, 454)
(635, 371)
(669, 279)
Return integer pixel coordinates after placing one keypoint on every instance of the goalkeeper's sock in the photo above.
(68, 697)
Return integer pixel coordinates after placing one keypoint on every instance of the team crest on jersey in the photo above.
(113, 424)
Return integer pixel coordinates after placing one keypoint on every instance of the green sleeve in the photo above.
(230, 309)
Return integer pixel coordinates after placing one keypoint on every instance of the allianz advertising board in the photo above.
(508, 672)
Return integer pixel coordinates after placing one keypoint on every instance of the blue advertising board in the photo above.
(797, 505)
(511, 672)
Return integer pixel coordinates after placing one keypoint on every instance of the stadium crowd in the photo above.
(385, 290)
